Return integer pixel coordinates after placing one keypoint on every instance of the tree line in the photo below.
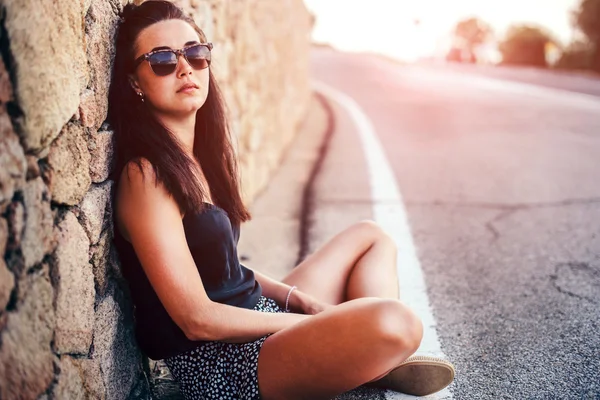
(526, 44)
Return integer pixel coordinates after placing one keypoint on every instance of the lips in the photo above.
(188, 86)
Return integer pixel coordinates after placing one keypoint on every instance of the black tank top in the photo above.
(212, 241)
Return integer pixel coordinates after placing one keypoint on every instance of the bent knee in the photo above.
(375, 230)
(368, 225)
(396, 325)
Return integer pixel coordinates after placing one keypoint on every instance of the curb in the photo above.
(307, 205)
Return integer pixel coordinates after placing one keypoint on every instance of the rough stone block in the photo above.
(100, 261)
(16, 225)
(12, 160)
(72, 273)
(115, 347)
(101, 150)
(33, 168)
(7, 283)
(92, 378)
(6, 92)
(26, 360)
(93, 207)
(90, 113)
(47, 43)
(70, 384)
(37, 235)
(3, 235)
(69, 166)
(100, 49)
(7, 279)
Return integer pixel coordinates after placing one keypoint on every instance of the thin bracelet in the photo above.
(287, 300)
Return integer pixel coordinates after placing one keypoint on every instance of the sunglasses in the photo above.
(164, 62)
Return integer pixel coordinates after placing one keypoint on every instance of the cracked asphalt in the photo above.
(502, 191)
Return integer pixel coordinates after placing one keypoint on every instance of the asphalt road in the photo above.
(580, 82)
(501, 183)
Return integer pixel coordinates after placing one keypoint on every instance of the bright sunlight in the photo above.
(409, 30)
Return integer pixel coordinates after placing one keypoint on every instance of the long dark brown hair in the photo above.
(138, 134)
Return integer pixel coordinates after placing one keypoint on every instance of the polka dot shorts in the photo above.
(219, 370)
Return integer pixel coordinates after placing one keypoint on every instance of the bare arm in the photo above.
(275, 289)
(151, 220)
(237, 325)
(299, 301)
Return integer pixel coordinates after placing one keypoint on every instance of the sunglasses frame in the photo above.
(178, 52)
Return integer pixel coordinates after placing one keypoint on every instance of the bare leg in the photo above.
(337, 350)
(374, 274)
(358, 262)
(349, 345)
(357, 265)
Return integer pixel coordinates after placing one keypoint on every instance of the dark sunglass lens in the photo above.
(163, 63)
(198, 56)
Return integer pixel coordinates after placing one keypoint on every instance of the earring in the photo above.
(141, 95)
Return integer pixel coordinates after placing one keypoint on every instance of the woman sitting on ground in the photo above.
(334, 323)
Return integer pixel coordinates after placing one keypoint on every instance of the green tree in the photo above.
(578, 55)
(525, 45)
(587, 19)
(470, 33)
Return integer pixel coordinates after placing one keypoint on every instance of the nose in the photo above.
(184, 68)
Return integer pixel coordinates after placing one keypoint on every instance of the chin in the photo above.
(192, 106)
(197, 106)
(197, 101)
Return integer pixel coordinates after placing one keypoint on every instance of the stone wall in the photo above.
(65, 316)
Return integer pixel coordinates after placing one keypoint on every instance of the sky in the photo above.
(387, 26)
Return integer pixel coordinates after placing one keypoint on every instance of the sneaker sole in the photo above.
(419, 376)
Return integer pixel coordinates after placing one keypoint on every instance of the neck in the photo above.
(183, 129)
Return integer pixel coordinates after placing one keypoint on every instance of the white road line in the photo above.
(390, 214)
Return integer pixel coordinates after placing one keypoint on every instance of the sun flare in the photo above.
(411, 30)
